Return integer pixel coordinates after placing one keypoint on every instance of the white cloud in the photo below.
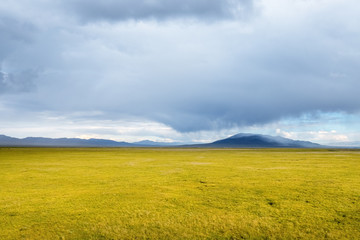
(316, 136)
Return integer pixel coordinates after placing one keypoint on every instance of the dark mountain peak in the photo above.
(259, 140)
(240, 135)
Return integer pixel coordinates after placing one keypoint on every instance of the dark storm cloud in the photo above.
(115, 10)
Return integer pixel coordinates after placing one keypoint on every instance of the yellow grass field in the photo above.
(169, 193)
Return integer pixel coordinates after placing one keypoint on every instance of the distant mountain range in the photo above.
(148, 143)
(346, 144)
(60, 142)
(242, 140)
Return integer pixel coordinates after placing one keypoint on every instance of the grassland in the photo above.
(179, 194)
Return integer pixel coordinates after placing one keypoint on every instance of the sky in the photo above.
(180, 70)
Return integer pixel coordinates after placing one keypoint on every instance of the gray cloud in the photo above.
(284, 63)
(114, 10)
(18, 82)
(13, 33)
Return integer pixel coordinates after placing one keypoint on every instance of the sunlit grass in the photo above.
(179, 194)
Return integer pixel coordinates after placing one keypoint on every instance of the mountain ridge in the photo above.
(241, 140)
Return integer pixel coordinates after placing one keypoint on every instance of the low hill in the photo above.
(60, 142)
(148, 143)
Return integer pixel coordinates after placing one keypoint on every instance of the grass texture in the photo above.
(170, 193)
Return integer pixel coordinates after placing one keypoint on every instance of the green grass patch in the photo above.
(140, 193)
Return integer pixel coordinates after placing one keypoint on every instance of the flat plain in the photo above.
(174, 193)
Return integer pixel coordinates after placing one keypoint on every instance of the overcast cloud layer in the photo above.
(189, 65)
(114, 10)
